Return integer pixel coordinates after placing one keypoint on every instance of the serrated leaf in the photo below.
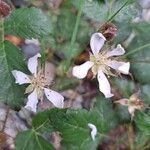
(93, 10)
(101, 11)
(10, 59)
(129, 12)
(142, 121)
(73, 126)
(31, 140)
(28, 23)
(104, 108)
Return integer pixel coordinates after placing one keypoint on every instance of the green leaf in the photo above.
(104, 108)
(142, 121)
(128, 13)
(124, 87)
(73, 126)
(140, 59)
(27, 23)
(41, 122)
(93, 10)
(65, 24)
(10, 59)
(100, 11)
(65, 83)
(31, 140)
(145, 94)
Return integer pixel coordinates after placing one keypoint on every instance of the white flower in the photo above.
(38, 86)
(93, 130)
(32, 41)
(101, 62)
(132, 103)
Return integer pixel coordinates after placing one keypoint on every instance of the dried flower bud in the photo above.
(4, 9)
(109, 30)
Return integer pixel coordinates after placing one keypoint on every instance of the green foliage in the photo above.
(65, 83)
(140, 66)
(104, 108)
(100, 11)
(65, 24)
(31, 140)
(145, 94)
(28, 23)
(124, 87)
(34, 138)
(10, 59)
(142, 121)
(72, 126)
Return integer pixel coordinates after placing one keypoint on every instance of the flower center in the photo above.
(39, 81)
(100, 61)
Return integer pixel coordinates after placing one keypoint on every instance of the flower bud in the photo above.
(109, 30)
(4, 9)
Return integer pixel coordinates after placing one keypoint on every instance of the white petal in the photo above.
(93, 130)
(32, 101)
(56, 98)
(21, 78)
(33, 63)
(97, 41)
(122, 67)
(32, 41)
(123, 101)
(131, 110)
(104, 85)
(119, 50)
(82, 70)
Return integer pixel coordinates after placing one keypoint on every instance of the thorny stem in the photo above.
(136, 50)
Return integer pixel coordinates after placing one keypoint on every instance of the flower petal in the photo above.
(122, 67)
(33, 63)
(97, 41)
(123, 101)
(56, 98)
(21, 78)
(131, 110)
(119, 50)
(32, 101)
(82, 70)
(104, 85)
(32, 41)
(93, 130)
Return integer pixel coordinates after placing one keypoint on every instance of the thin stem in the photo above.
(1, 30)
(140, 61)
(136, 50)
(110, 8)
(113, 15)
(74, 35)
